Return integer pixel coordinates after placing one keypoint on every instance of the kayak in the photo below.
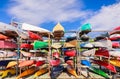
(34, 36)
(7, 44)
(26, 63)
(56, 54)
(115, 44)
(55, 62)
(40, 72)
(3, 37)
(70, 53)
(115, 53)
(85, 29)
(115, 62)
(56, 71)
(90, 52)
(86, 45)
(39, 63)
(40, 44)
(102, 52)
(105, 64)
(56, 45)
(4, 62)
(26, 54)
(58, 31)
(7, 53)
(114, 37)
(26, 46)
(70, 62)
(86, 63)
(70, 38)
(11, 64)
(84, 37)
(8, 71)
(27, 72)
(72, 71)
(99, 72)
(116, 30)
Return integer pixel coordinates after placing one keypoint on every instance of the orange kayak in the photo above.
(27, 72)
(3, 37)
(72, 71)
(115, 62)
(26, 63)
(40, 72)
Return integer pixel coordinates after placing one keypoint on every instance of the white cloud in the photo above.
(106, 18)
(41, 11)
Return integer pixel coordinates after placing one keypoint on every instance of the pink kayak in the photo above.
(27, 54)
(55, 62)
(115, 44)
(56, 54)
(26, 63)
(7, 53)
(70, 53)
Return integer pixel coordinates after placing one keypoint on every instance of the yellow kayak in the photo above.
(27, 72)
(72, 71)
(40, 72)
(6, 72)
(11, 64)
(115, 62)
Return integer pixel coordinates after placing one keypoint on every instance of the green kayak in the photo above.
(86, 27)
(99, 72)
(40, 44)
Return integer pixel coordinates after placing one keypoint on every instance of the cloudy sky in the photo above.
(101, 14)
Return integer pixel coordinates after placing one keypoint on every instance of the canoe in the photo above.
(7, 44)
(86, 63)
(102, 52)
(27, 72)
(58, 31)
(115, 44)
(40, 44)
(55, 62)
(56, 71)
(72, 71)
(7, 53)
(115, 53)
(114, 37)
(90, 52)
(115, 62)
(26, 46)
(99, 72)
(8, 72)
(70, 53)
(86, 45)
(4, 62)
(40, 72)
(84, 37)
(26, 63)
(56, 54)
(105, 64)
(39, 63)
(3, 37)
(34, 36)
(26, 54)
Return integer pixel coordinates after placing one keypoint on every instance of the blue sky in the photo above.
(102, 14)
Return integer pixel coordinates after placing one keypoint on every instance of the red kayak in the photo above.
(26, 63)
(115, 44)
(106, 65)
(70, 53)
(25, 45)
(34, 36)
(55, 62)
(115, 30)
(39, 63)
(114, 37)
(102, 52)
(56, 54)
(70, 62)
